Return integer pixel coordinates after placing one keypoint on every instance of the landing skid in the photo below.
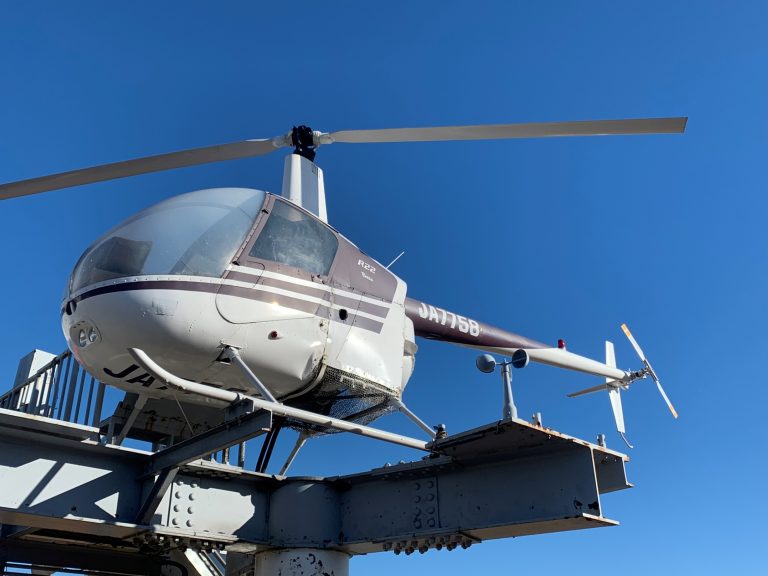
(249, 404)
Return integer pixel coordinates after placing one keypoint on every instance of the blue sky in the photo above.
(556, 238)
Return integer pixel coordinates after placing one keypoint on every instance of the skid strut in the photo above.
(277, 409)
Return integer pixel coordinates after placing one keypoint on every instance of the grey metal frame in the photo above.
(509, 478)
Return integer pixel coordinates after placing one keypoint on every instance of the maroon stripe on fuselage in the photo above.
(150, 285)
(338, 299)
(277, 283)
(281, 299)
(366, 323)
(360, 305)
(238, 292)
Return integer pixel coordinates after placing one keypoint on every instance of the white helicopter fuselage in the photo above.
(292, 327)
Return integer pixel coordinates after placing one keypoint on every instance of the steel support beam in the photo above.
(85, 558)
(509, 478)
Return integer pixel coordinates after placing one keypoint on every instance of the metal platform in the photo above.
(61, 487)
(69, 497)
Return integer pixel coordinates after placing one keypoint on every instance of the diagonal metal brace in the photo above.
(230, 432)
(165, 464)
(155, 496)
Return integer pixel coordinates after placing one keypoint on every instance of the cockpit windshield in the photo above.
(294, 238)
(194, 234)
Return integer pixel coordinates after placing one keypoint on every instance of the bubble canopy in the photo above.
(193, 234)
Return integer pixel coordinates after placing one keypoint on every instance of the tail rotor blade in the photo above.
(649, 369)
(634, 343)
(666, 399)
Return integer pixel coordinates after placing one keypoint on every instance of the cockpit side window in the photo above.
(294, 238)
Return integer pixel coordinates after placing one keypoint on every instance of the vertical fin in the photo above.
(614, 393)
(610, 356)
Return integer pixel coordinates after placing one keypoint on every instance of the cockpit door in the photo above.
(277, 292)
(282, 272)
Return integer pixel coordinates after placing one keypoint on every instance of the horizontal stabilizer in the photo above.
(597, 388)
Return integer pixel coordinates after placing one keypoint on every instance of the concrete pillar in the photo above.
(302, 562)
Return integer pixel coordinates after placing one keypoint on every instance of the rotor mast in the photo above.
(303, 181)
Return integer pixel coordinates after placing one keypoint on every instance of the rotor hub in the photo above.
(303, 139)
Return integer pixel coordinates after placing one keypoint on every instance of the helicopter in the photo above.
(228, 293)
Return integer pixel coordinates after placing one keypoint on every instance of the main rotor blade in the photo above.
(500, 131)
(250, 148)
(144, 165)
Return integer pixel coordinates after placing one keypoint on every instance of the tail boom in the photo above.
(439, 324)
